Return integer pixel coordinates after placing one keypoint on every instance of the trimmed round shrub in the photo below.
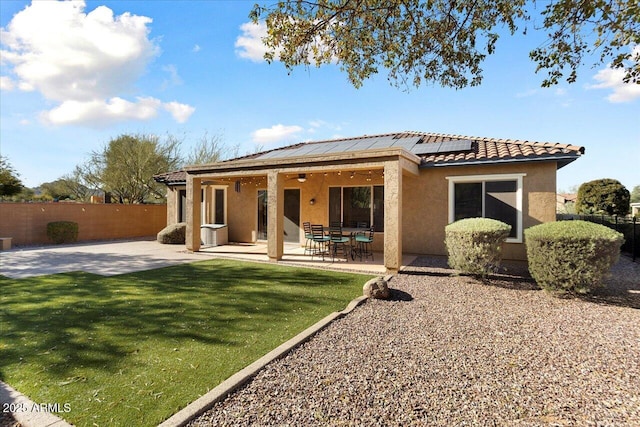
(62, 232)
(475, 244)
(571, 256)
(173, 234)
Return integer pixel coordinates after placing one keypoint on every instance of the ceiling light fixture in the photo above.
(302, 177)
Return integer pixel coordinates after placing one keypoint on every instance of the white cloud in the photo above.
(174, 79)
(196, 49)
(610, 78)
(6, 83)
(83, 61)
(100, 113)
(249, 45)
(180, 112)
(275, 133)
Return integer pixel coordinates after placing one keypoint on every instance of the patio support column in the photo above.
(275, 215)
(392, 216)
(194, 201)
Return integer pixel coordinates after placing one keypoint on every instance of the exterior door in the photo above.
(291, 215)
(262, 215)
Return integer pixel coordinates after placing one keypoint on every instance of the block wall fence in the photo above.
(26, 223)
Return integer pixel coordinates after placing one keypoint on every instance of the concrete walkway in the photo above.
(120, 257)
(104, 258)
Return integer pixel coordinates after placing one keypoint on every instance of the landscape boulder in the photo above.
(377, 288)
(173, 234)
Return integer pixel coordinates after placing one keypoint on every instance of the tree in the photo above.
(70, 186)
(211, 149)
(445, 41)
(126, 166)
(10, 184)
(603, 196)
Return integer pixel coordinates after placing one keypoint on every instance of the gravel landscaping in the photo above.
(452, 350)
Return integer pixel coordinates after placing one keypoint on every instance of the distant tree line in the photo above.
(121, 170)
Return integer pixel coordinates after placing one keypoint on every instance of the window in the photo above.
(219, 206)
(357, 206)
(182, 205)
(488, 196)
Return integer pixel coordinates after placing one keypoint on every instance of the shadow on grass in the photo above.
(79, 319)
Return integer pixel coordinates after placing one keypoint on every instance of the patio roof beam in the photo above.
(362, 159)
(194, 199)
(392, 216)
(275, 215)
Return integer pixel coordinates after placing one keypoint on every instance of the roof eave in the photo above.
(561, 161)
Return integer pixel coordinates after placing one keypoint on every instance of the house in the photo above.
(408, 186)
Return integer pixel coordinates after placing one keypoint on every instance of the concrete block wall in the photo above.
(26, 223)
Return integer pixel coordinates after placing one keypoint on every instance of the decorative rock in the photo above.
(376, 288)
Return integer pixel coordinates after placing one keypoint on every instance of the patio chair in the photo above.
(338, 241)
(308, 235)
(320, 240)
(364, 243)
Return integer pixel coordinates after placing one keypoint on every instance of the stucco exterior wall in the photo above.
(173, 203)
(426, 204)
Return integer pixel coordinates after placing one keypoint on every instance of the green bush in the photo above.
(62, 231)
(475, 244)
(571, 256)
(173, 234)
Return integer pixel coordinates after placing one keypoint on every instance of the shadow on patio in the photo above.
(294, 255)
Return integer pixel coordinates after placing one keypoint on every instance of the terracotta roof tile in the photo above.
(483, 150)
(171, 178)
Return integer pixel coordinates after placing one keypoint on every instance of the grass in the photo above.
(138, 347)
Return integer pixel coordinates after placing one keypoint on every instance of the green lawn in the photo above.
(139, 347)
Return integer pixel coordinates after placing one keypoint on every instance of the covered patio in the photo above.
(266, 199)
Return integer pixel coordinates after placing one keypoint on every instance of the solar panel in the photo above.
(459, 145)
(443, 147)
(338, 147)
(426, 148)
(407, 143)
(350, 145)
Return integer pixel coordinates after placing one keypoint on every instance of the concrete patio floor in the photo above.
(119, 257)
(294, 255)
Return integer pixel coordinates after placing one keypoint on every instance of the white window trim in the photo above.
(208, 210)
(518, 177)
(213, 201)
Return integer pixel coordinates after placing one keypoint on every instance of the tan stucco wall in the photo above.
(173, 194)
(426, 204)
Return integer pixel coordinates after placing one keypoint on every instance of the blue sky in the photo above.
(73, 76)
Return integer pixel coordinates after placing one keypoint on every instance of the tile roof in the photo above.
(434, 149)
(171, 178)
(492, 150)
(483, 149)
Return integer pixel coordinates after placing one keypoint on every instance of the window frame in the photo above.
(213, 202)
(483, 179)
(371, 207)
